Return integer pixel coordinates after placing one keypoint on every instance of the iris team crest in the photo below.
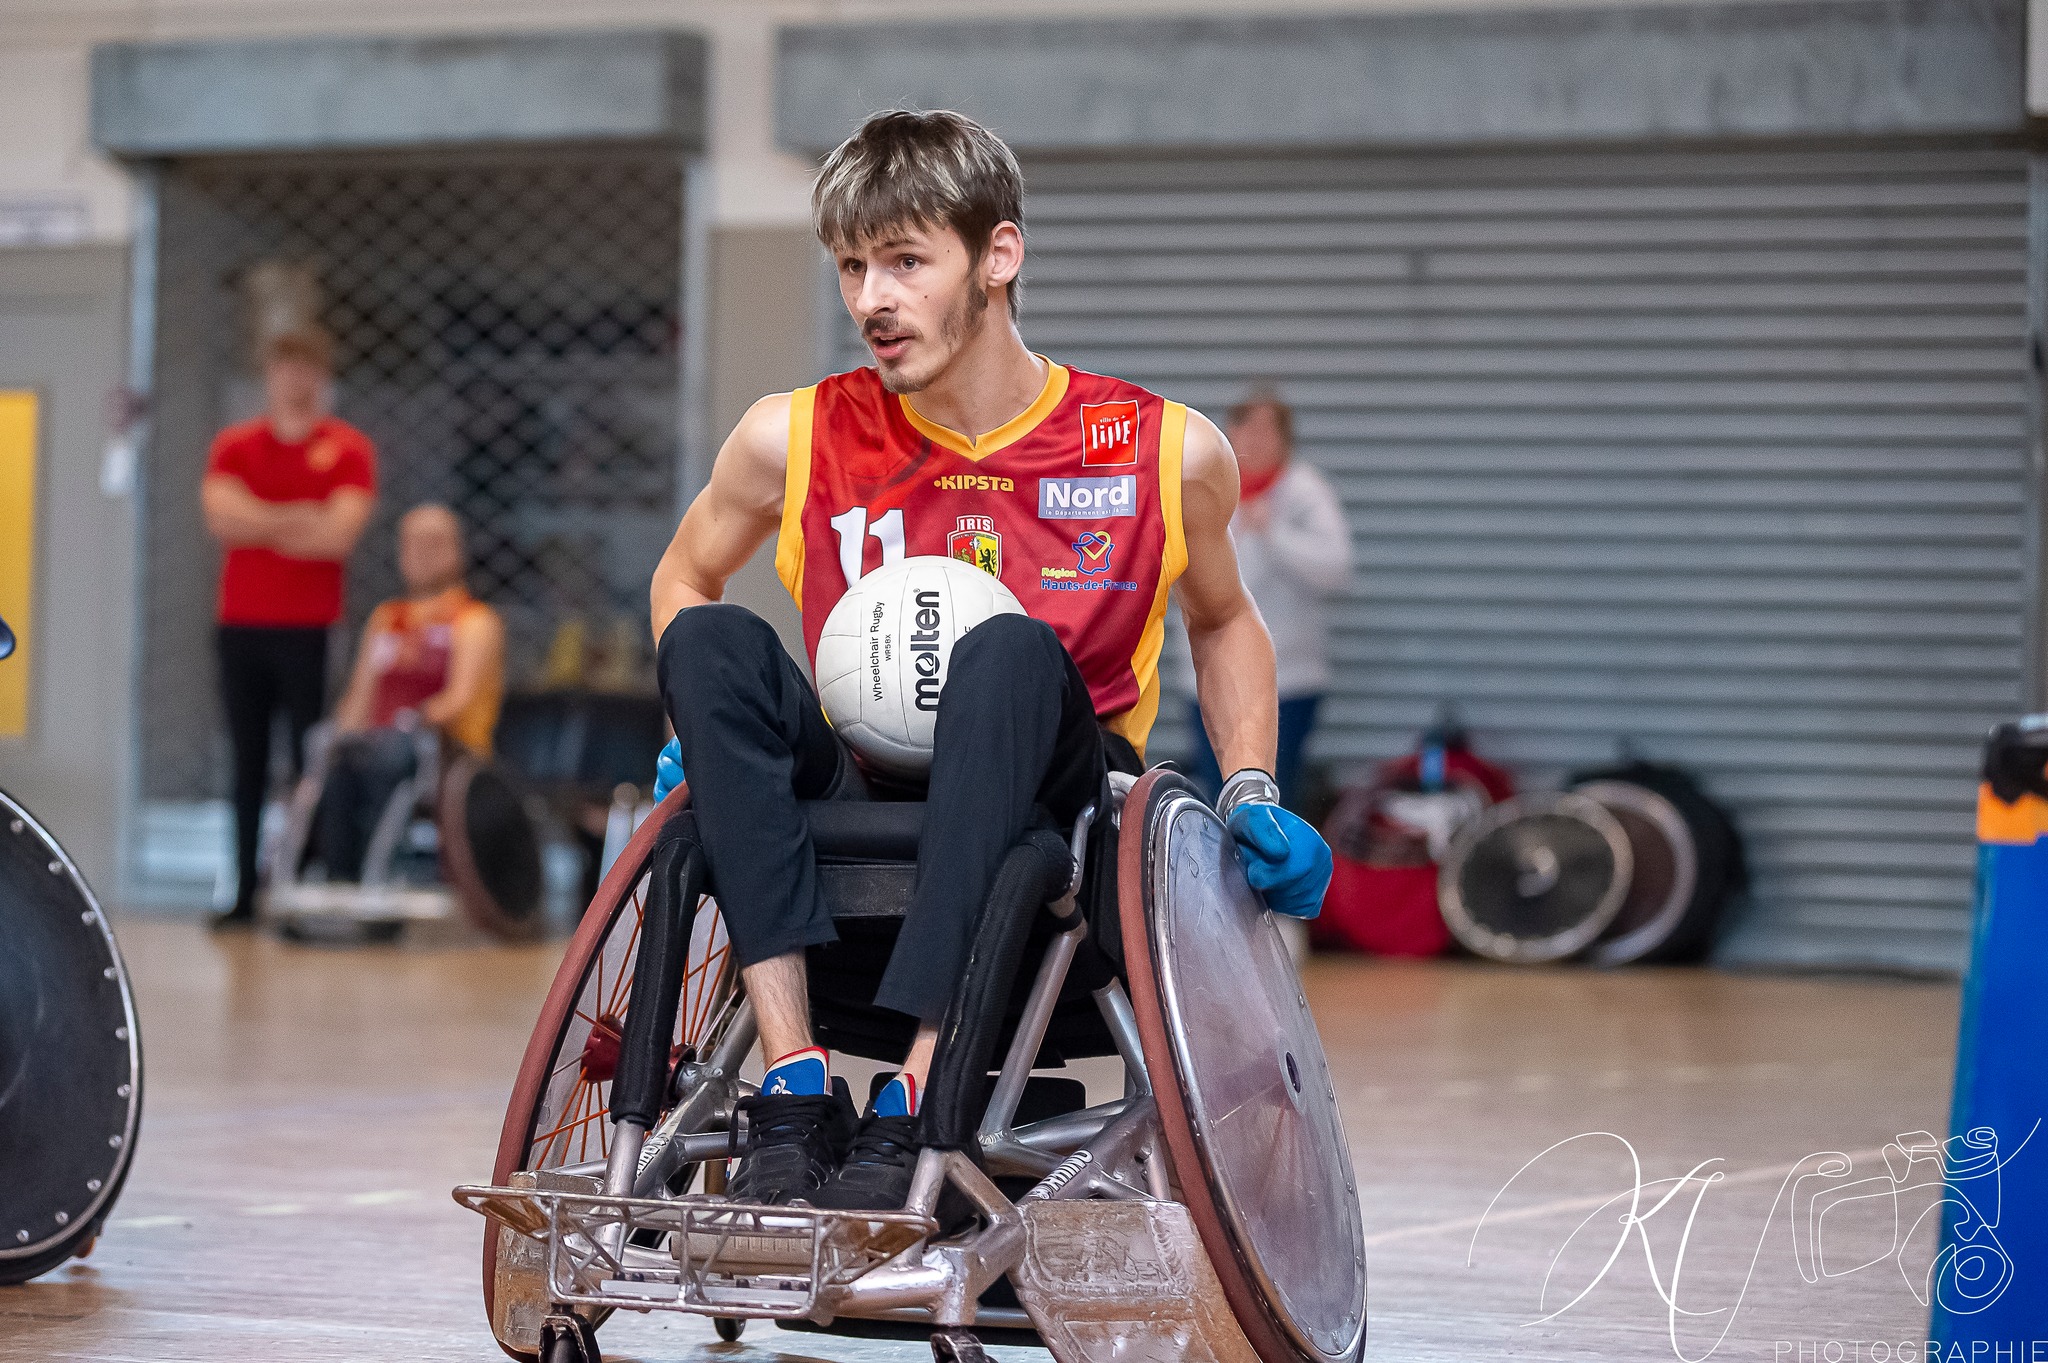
(974, 540)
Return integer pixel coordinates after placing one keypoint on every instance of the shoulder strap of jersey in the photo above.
(1135, 724)
(796, 486)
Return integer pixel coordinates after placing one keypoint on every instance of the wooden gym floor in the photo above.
(307, 1110)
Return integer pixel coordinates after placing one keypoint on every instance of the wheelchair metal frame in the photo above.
(1130, 1241)
(375, 898)
(742, 1261)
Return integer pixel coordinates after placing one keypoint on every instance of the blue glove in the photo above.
(668, 771)
(1285, 859)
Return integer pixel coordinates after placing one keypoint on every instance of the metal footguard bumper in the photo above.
(700, 1254)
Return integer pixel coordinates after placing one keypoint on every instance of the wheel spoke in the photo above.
(576, 1105)
(622, 980)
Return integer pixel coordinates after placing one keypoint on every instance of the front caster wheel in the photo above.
(729, 1328)
(568, 1338)
(957, 1346)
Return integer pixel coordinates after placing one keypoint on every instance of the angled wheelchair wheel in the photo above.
(1245, 1098)
(558, 1118)
(490, 849)
(70, 1060)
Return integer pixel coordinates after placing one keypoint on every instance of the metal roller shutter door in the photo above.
(1719, 452)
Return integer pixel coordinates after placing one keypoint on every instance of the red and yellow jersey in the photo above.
(1074, 505)
(412, 644)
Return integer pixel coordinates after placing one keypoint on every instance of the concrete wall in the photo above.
(50, 173)
(62, 313)
(1714, 70)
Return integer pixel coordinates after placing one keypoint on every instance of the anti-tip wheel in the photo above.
(568, 1338)
(729, 1328)
(957, 1346)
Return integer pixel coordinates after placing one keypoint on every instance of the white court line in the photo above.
(1580, 1204)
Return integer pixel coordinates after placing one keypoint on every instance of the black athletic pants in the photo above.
(363, 770)
(264, 670)
(1015, 729)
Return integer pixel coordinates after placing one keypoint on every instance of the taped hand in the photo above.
(668, 769)
(1285, 859)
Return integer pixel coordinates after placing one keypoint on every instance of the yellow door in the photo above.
(17, 550)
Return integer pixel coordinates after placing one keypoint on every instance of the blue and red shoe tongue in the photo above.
(898, 1098)
(802, 1073)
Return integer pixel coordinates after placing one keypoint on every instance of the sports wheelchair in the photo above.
(70, 1052)
(456, 835)
(1210, 1213)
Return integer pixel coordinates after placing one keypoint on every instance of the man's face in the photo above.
(429, 551)
(294, 387)
(1260, 444)
(915, 295)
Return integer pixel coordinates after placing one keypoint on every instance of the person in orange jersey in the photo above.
(1085, 495)
(433, 658)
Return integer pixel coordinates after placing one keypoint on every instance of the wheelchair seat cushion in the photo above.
(864, 830)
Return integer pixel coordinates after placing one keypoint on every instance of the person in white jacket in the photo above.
(1294, 552)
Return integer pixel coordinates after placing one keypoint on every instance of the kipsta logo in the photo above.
(1093, 551)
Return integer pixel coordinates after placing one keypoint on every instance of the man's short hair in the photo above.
(905, 169)
(1266, 396)
(310, 345)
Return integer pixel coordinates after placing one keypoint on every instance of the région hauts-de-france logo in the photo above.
(1109, 433)
(974, 540)
(1092, 551)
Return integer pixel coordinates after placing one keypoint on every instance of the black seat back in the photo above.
(867, 865)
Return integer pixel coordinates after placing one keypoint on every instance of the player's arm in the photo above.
(731, 518)
(352, 714)
(234, 515)
(476, 655)
(1234, 674)
(327, 530)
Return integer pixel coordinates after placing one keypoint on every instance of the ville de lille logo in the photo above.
(1109, 434)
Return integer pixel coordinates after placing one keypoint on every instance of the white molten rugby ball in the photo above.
(885, 650)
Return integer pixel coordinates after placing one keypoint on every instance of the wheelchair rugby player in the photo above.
(1018, 727)
(400, 792)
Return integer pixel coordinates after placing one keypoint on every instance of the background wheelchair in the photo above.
(1210, 1213)
(455, 836)
(70, 1056)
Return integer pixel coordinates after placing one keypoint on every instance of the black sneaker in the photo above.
(238, 919)
(794, 1142)
(875, 1175)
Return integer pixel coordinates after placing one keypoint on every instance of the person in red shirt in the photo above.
(287, 495)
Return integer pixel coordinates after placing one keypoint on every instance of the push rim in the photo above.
(561, 1100)
(1322, 1319)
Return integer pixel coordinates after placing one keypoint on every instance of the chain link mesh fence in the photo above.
(506, 332)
